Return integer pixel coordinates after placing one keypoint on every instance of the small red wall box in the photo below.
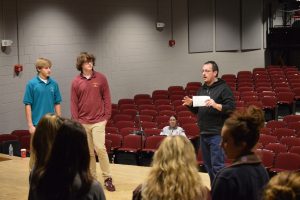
(171, 43)
(18, 68)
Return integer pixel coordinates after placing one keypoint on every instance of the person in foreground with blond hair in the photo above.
(174, 173)
(283, 186)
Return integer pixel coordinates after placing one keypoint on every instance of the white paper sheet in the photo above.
(199, 100)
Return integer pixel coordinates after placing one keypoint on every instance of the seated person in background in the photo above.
(42, 140)
(172, 129)
(174, 173)
(67, 175)
(246, 177)
(283, 186)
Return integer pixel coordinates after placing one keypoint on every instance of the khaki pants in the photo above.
(96, 141)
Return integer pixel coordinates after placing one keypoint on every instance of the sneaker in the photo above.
(109, 185)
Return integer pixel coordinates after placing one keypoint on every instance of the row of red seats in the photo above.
(19, 139)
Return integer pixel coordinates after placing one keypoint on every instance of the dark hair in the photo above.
(174, 117)
(69, 158)
(84, 57)
(244, 126)
(42, 141)
(214, 66)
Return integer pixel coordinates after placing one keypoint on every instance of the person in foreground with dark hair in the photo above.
(211, 116)
(174, 173)
(283, 186)
(42, 141)
(246, 177)
(67, 175)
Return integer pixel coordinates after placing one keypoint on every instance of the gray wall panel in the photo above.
(251, 24)
(227, 25)
(200, 25)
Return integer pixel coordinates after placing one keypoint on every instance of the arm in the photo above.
(74, 102)
(57, 100)
(228, 103)
(57, 109)
(187, 101)
(30, 125)
(164, 131)
(181, 131)
(107, 100)
(212, 103)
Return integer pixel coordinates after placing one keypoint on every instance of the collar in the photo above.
(215, 82)
(250, 158)
(174, 128)
(40, 80)
(92, 76)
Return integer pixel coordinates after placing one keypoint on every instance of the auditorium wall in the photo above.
(133, 54)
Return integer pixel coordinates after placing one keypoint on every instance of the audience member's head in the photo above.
(283, 186)
(173, 121)
(69, 157)
(240, 132)
(174, 173)
(43, 139)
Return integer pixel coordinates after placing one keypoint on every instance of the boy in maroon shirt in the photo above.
(91, 106)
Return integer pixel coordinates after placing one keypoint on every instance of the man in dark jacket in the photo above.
(211, 117)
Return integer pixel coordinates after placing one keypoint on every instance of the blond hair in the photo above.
(174, 173)
(285, 185)
(42, 62)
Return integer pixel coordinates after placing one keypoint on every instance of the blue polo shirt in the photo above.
(42, 97)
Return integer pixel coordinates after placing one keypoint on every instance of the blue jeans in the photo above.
(212, 154)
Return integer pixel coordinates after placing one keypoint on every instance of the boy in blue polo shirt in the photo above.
(42, 95)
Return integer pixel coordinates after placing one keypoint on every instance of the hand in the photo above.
(32, 129)
(212, 103)
(187, 101)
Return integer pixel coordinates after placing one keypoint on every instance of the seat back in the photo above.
(153, 142)
(124, 124)
(266, 156)
(266, 139)
(125, 101)
(287, 161)
(291, 118)
(127, 131)
(116, 140)
(295, 149)
(108, 144)
(284, 132)
(276, 148)
(290, 141)
(25, 142)
(191, 129)
(15, 144)
(132, 142)
(20, 133)
(275, 124)
(151, 131)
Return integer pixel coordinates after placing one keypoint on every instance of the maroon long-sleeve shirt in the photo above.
(90, 99)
